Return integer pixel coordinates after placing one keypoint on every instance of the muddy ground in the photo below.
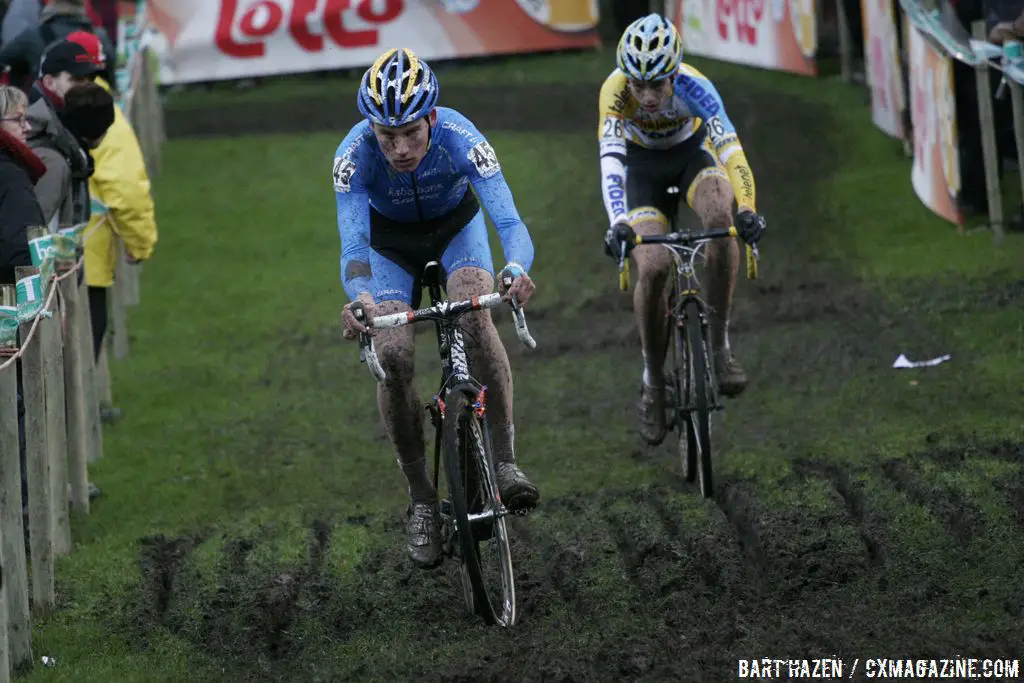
(642, 583)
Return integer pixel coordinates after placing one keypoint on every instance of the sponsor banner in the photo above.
(936, 173)
(882, 57)
(772, 34)
(204, 40)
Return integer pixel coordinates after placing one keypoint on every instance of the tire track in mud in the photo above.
(736, 507)
(853, 498)
(961, 518)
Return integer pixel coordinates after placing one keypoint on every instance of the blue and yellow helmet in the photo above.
(397, 89)
(650, 49)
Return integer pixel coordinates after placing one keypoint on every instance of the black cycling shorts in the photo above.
(649, 172)
(411, 246)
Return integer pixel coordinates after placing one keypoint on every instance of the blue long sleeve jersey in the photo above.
(458, 156)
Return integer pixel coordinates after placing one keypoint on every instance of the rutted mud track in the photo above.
(663, 586)
(653, 583)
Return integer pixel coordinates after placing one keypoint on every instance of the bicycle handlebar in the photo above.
(683, 239)
(446, 309)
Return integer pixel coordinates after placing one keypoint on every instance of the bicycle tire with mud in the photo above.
(462, 427)
(700, 413)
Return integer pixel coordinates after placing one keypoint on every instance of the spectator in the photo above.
(21, 15)
(56, 21)
(1008, 30)
(20, 168)
(63, 192)
(105, 15)
(121, 183)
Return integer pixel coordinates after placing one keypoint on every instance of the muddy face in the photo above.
(652, 95)
(405, 146)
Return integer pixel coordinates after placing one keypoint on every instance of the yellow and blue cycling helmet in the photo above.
(650, 49)
(397, 89)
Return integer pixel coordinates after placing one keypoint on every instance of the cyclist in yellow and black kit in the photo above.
(663, 123)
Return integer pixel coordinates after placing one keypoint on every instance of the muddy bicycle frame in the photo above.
(694, 396)
(458, 382)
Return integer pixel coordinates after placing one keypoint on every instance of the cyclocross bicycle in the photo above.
(473, 515)
(691, 392)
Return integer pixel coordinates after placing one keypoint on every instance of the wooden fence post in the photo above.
(1017, 99)
(118, 308)
(10, 409)
(74, 382)
(92, 379)
(37, 463)
(103, 372)
(988, 140)
(845, 42)
(13, 564)
(56, 426)
(129, 277)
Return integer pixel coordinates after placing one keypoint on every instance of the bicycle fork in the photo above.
(679, 322)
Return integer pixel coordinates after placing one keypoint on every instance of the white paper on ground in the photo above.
(903, 362)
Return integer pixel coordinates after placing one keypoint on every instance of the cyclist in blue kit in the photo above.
(402, 180)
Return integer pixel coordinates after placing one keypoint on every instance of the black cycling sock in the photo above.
(421, 490)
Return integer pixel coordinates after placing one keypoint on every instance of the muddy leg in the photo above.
(712, 201)
(399, 402)
(650, 306)
(489, 362)
(487, 357)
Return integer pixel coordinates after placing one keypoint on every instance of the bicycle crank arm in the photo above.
(487, 515)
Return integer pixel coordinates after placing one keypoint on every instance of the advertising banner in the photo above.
(936, 173)
(881, 54)
(773, 34)
(206, 40)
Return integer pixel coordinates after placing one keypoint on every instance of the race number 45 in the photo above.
(344, 169)
(484, 159)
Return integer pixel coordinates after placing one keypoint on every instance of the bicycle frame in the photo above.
(687, 289)
(473, 503)
(455, 372)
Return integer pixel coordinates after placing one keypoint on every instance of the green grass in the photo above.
(246, 416)
(564, 67)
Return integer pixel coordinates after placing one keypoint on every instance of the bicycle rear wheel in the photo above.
(698, 397)
(472, 486)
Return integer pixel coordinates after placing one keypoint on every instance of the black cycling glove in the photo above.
(615, 236)
(750, 226)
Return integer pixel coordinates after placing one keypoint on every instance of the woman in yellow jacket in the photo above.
(122, 207)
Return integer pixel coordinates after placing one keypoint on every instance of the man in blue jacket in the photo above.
(402, 182)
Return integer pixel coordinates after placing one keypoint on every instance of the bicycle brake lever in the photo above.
(367, 353)
(623, 267)
(522, 331)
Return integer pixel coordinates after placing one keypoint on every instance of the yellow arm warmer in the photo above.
(742, 180)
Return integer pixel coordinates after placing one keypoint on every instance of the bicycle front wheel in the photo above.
(697, 399)
(683, 382)
(486, 563)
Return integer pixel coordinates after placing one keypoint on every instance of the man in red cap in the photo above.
(121, 184)
(63, 192)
